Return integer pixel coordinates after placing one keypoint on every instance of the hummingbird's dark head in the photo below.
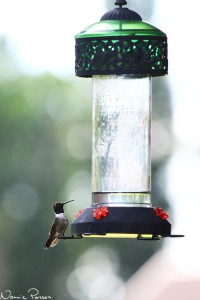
(58, 207)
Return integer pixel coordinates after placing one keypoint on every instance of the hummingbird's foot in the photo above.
(75, 237)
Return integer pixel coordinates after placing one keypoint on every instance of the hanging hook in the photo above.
(120, 2)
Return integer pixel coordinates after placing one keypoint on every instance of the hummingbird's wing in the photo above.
(53, 235)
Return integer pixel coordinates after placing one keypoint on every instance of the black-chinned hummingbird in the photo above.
(59, 225)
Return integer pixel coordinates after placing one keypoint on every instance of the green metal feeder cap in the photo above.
(121, 43)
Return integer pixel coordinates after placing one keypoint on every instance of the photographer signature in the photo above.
(32, 293)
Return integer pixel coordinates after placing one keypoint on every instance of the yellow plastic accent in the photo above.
(119, 235)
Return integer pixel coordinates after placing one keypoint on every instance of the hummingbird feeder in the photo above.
(121, 53)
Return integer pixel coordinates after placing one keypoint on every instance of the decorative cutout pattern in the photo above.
(121, 55)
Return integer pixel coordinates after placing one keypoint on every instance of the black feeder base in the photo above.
(139, 222)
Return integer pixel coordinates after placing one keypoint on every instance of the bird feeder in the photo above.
(121, 53)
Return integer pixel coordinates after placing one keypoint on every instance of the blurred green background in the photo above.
(45, 156)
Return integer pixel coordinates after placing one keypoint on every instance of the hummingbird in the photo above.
(59, 225)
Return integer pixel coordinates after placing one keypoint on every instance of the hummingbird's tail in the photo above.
(47, 245)
(51, 243)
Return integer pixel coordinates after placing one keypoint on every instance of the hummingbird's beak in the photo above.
(67, 202)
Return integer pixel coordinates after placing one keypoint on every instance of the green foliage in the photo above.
(35, 117)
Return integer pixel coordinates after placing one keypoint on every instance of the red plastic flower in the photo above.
(104, 211)
(161, 213)
(100, 212)
(78, 213)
